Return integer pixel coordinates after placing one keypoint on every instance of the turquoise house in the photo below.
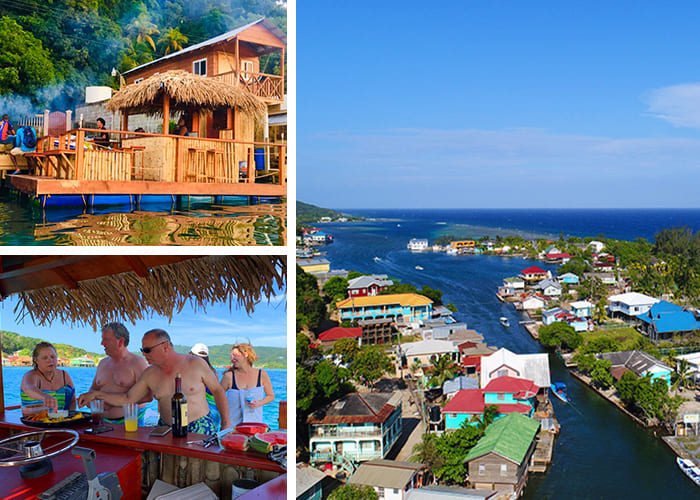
(569, 278)
(641, 363)
(410, 307)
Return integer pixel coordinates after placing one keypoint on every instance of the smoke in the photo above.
(17, 106)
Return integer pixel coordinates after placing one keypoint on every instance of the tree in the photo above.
(681, 376)
(426, 451)
(354, 492)
(626, 387)
(303, 349)
(433, 294)
(453, 447)
(600, 376)
(600, 315)
(576, 265)
(336, 287)
(443, 369)
(584, 362)
(370, 364)
(559, 335)
(487, 418)
(602, 344)
(347, 349)
(172, 41)
(141, 29)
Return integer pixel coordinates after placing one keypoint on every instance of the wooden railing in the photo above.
(260, 84)
(158, 157)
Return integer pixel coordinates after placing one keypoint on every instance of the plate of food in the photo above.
(57, 419)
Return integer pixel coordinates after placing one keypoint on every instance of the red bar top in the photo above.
(140, 440)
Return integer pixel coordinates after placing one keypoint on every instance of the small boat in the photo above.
(689, 469)
(419, 268)
(377, 259)
(504, 321)
(559, 390)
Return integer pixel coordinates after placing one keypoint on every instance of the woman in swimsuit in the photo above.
(247, 388)
(46, 384)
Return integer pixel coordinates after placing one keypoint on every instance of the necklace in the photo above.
(49, 380)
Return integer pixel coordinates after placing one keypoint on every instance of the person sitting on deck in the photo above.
(102, 138)
(45, 384)
(247, 389)
(119, 371)
(6, 131)
(159, 379)
(181, 128)
(25, 142)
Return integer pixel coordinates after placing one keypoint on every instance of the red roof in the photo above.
(511, 385)
(338, 332)
(533, 270)
(472, 401)
(474, 361)
(558, 256)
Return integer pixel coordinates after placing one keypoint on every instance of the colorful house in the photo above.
(500, 459)
(314, 265)
(458, 245)
(641, 363)
(630, 305)
(534, 274)
(368, 285)
(581, 309)
(664, 320)
(549, 288)
(391, 479)
(407, 307)
(356, 428)
(329, 337)
(425, 351)
(557, 314)
(503, 363)
(568, 278)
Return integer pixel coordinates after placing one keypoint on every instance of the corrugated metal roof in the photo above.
(404, 299)
(355, 408)
(509, 437)
(386, 473)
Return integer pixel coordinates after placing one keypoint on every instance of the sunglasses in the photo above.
(146, 350)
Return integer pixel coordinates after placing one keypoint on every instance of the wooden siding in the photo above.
(515, 476)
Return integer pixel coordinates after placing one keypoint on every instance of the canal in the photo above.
(600, 453)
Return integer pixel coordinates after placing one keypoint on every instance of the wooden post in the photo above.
(79, 154)
(282, 72)
(166, 114)
(46, 122)
(238, 63)
(178, 175)
(125, 121)
(283, 165)
(195, 123)
(230, 122)
(251, 166)
(283, 415)
(69, 119)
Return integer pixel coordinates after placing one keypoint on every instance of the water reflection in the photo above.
(195, 223)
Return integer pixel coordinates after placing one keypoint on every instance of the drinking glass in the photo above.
(97, 409)
(131, 417)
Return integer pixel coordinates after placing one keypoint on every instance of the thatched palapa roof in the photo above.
(94, 290)
(186, 91)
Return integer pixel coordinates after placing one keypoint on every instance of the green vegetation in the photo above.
(220, 355)
(354, 492)
(13, 342)
(307, 213)
(311, 308)
(443, 369)
(370, 364)
(559, 335)
(611, 339)
(346, 349)
(432, 293)
(66, 45)
(651, 399)
(445, 454)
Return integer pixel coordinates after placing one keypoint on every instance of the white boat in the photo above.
(419, 268)
(689, 469)
(377, 259)
(504, 321)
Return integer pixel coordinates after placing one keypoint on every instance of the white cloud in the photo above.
(678, 104)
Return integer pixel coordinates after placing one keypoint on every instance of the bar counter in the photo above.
(168, 458)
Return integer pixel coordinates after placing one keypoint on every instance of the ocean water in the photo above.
(600, 453)
(82, 378)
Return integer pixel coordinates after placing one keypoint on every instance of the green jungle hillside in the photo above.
(268, 357)
(13, 342)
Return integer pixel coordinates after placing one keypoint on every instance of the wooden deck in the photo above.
(153, 164)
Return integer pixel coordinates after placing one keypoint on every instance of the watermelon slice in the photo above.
(252, 428)
(235, 442)
(263, 442)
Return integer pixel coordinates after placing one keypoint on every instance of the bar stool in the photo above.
(196, 163)
(215, 165)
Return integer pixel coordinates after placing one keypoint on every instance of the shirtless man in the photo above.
(159, 378)
(119, 371)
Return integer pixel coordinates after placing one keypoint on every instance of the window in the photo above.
(504, 469)
(396, 492)
(199, 67)
(247, 68)
(380, 492)
(502, 373)
(501, 397)
(482, 469)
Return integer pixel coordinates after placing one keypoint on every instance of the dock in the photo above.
(543, 451)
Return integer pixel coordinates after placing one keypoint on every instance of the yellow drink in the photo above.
(131, 425)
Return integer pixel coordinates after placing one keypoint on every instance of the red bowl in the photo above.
(252, 428)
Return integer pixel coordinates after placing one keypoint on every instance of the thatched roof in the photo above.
(187, 92)
(94, 290)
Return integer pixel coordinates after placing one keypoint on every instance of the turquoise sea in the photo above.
(82, 377)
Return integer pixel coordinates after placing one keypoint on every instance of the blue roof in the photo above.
(668, 317)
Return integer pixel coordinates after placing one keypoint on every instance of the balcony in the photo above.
(354, 456)
(374, 432)
(267, 87)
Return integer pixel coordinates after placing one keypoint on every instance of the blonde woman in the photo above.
(46, 384)
(247, 388)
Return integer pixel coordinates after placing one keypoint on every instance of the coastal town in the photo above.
(427, 409)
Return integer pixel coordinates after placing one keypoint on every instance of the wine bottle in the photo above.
(179, 409)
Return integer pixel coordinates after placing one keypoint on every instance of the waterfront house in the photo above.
(309, 482)
(405, 307)
(630, 305)
(503, 362)
(329, 337)
(356, 428)
(513, 284)
(532, 302)
(314, 265)
(463, 244)
(568, 278)
(418, 245)
(549, 288)
(443, 492)
(558, 314)
(368, 285)
(640, 362)
(317, 237)
(534, 274)
(392, 480)
(425, 351)
(596, 246)
(664, 320)
(581, 308)
(471, 353)
(608, 279)
(82, 361)
(558, 257)
(441, 329)
(500, 459)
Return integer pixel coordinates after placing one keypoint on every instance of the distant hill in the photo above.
(220, 355)
(12, 342)
(307, 213)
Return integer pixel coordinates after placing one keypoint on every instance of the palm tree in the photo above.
(599, 315)
(142, 28)
(681, 374)
(443, 369)
(426, 452)
(172, 40)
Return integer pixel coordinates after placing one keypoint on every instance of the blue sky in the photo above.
(266, 326)
(498, 104)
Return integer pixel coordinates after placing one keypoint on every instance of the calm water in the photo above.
(191, 222)
(82, 378)
(600, 453)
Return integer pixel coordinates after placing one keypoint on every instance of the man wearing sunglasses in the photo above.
(159, 379)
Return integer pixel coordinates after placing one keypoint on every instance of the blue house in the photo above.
(557, 314)
(664, 320)
(581, 309)
(409, 307)
(569, 278)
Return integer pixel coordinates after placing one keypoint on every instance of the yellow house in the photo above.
(463, 244)
(313, 266)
